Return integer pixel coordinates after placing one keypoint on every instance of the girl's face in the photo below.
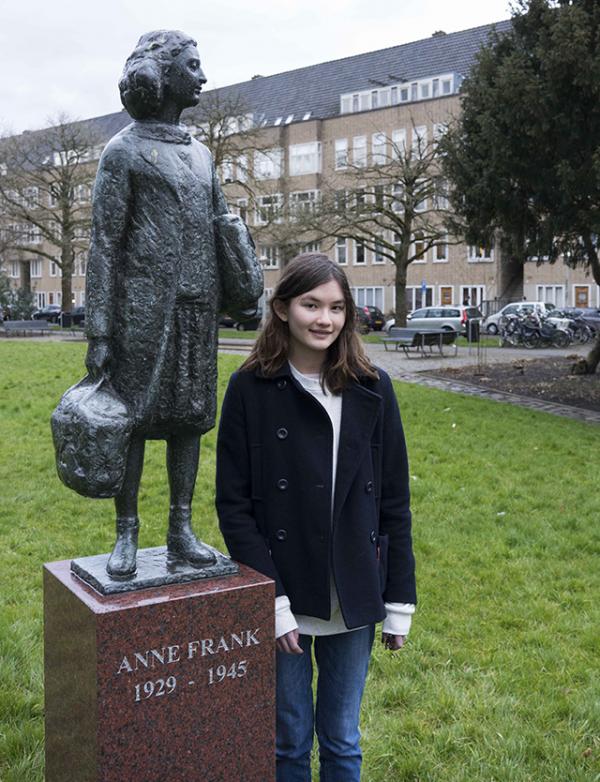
(315, 320)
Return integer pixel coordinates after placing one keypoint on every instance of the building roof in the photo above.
(316, 89)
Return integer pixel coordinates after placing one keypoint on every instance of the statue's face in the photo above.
(186, 77)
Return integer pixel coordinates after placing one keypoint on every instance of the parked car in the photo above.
(370, 318)
(447, 318)
(250, 324)
(226, 322)
(491, 323)
(78, 316)
(51, 313)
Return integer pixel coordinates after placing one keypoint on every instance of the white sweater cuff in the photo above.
(398, 617)
(284, 619)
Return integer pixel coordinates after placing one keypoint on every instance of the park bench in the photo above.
(25, 328)
(418, 339)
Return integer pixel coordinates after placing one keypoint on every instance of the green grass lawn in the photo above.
(499, 681)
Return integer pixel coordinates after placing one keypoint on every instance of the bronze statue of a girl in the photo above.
(153, 284)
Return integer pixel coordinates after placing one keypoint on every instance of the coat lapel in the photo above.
(360, 408)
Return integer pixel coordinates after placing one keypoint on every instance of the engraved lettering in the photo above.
(192, 649)
(173, 654)
(222, 645)
(125, 666)
(251, 637)
(143, 659)
(207, 646)
(237, 640)
(160, 656)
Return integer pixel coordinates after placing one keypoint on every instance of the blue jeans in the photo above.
(342, 663)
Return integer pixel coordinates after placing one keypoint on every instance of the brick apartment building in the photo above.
(313, 119)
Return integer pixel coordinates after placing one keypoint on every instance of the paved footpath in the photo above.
(410, 370)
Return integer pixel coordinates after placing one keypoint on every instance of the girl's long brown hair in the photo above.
(346, 359)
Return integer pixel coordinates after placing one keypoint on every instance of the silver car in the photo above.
(447, 318)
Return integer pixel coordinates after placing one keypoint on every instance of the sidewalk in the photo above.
(409, 370)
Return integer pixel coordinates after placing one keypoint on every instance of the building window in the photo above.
(440, 194)
(83, 194)
(581, 295)
(360, 201)
(404, 95)
(552, 294)
(418, 247)
(446, 295)
(305, 158)
(419, 140)
(394, 95)
(378, 200)
(241, 168)
(360, 256)
(303, 202)
(30, 197)
(378, 151)
(481, 253)
(424, 90)
(418, 296)
(446, 87)
(227, 171)
(398, 197)
(435, 88)
(378, 256)
(55, 270)
(359, 150)
(269, 256)
(355, 103)
(242, 208)
(421, 201)
(472, 295)
(369, 297)
(341, 153)
(414, 91)
(311, 247)
(14, 270)
(81, 265)
(440, 251)
(268, 164)
(340, 201)
(36, 268)
(269, 208)
(40, 299)
(341, 250)
(398, 144)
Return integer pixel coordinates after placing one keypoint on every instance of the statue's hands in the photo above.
(98, 357)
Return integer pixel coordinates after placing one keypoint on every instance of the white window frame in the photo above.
(441, 245)
(268, 255)
(359, 151)
(378, 258)
(341, 243)
(36, 268)
(341, 154)
(14, 270)
(413, 291)
(303, 201)
(40, 299)
(355, 261)
(480, 295)
(378, 149)
(273, 204)
(369, 295)
(305, 158)
(480, 254)
(418, 140)
(558, 300)
(241, 208)
(398, 143)
(268, 163)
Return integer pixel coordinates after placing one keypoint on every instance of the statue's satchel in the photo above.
(240, 271)
(91, 427)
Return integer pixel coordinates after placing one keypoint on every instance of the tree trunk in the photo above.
(588, 365)
(67, 257)
(400, 285)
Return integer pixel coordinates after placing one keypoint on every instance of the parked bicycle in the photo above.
(532, 331)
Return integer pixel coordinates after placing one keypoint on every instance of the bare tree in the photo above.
(392, 202)
(46, 181)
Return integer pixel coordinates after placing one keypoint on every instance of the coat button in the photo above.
(373, 536)
(282, 433)
(281, 384)
(281, 534)
(369, 487)
(282, 484)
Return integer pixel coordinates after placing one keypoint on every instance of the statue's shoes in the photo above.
(185, 546)
(122, 561)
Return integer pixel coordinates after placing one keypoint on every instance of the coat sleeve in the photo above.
(110, 209)
(237, 522)
(395, 516)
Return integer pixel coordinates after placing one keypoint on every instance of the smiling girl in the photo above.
(312, 490)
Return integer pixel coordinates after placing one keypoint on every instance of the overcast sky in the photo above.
(64, 56)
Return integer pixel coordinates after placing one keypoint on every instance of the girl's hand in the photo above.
(393, 642)
(288, 643)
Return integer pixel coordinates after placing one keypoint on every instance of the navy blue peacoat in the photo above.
(274, 473)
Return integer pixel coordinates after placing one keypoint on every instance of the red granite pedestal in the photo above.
(160, 685)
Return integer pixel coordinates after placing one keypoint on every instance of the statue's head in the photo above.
(163, 62)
